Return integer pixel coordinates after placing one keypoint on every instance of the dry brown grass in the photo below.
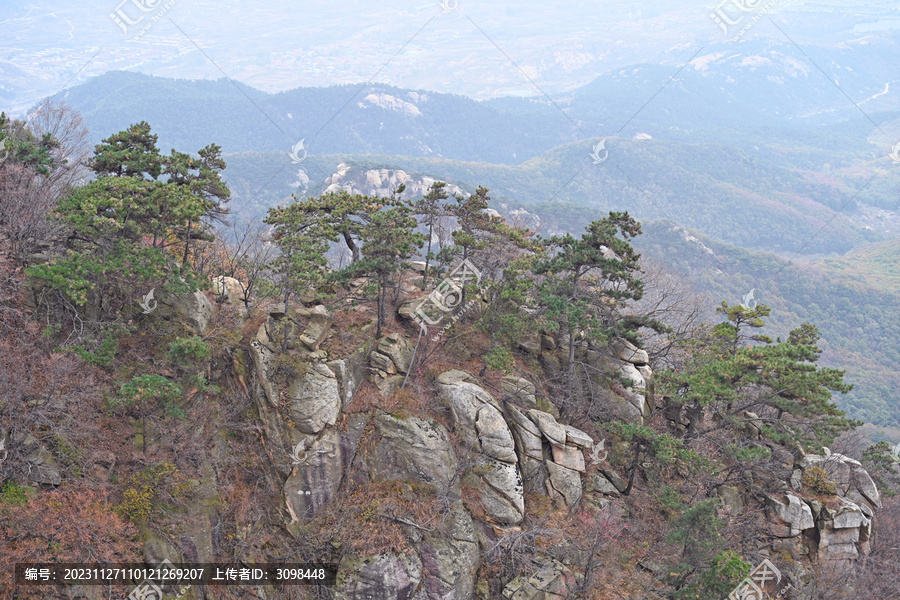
(372, 516)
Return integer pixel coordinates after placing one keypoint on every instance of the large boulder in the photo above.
(378, 577)
(318, 328)
(789, 518)
(502, 491)
(625, 350)
(841, 529)
(527, 435)
(42, 467)
(552, 430)
(350, 373)
(520, 390)
(630, 372)
(450, 561)
(546, 579)
(192, 309)
(398, 349)
(315, 478)
(229, 289)
(480, 423)
(564, 483)
(315, 399)
(414, 449)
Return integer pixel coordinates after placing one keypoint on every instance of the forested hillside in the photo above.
(457, 408)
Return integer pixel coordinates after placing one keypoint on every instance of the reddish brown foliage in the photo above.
(69, 524)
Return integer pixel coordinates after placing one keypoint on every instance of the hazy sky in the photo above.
(479, 48)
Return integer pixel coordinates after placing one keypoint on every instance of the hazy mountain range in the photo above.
(738, 154)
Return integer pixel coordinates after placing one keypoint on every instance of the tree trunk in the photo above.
(187, 241)
(427, 255)
(351, 244)
(634, 464)
(381, 293)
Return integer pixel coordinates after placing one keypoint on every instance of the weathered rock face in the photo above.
(549, 580)
(315, 478)
(318, 328)
(192, 309)
(378, 577)
(393, 354)
(625, 350)
(789, 518)
(389, 362)
(315, 399)
(414, 449)
(42, 467)
(450, 562)
(350, 373)
(629, 402)
(229, 289)
(836, 529)
(551, 454)
(519, 390)
(480, 423)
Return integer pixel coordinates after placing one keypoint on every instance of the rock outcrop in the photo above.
(192, 309)
(816, 524)
(478, 419)
(414, 449)
(229, 290)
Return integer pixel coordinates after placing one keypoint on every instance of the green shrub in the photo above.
(500, 358)
(816, 480)
(187, 351)
(100, 352)
(13, 494)
(146, 392)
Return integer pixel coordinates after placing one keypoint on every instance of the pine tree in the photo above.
(585, 281)
(388, 239)
(129, 153)
(431, 209)
(732, 373)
